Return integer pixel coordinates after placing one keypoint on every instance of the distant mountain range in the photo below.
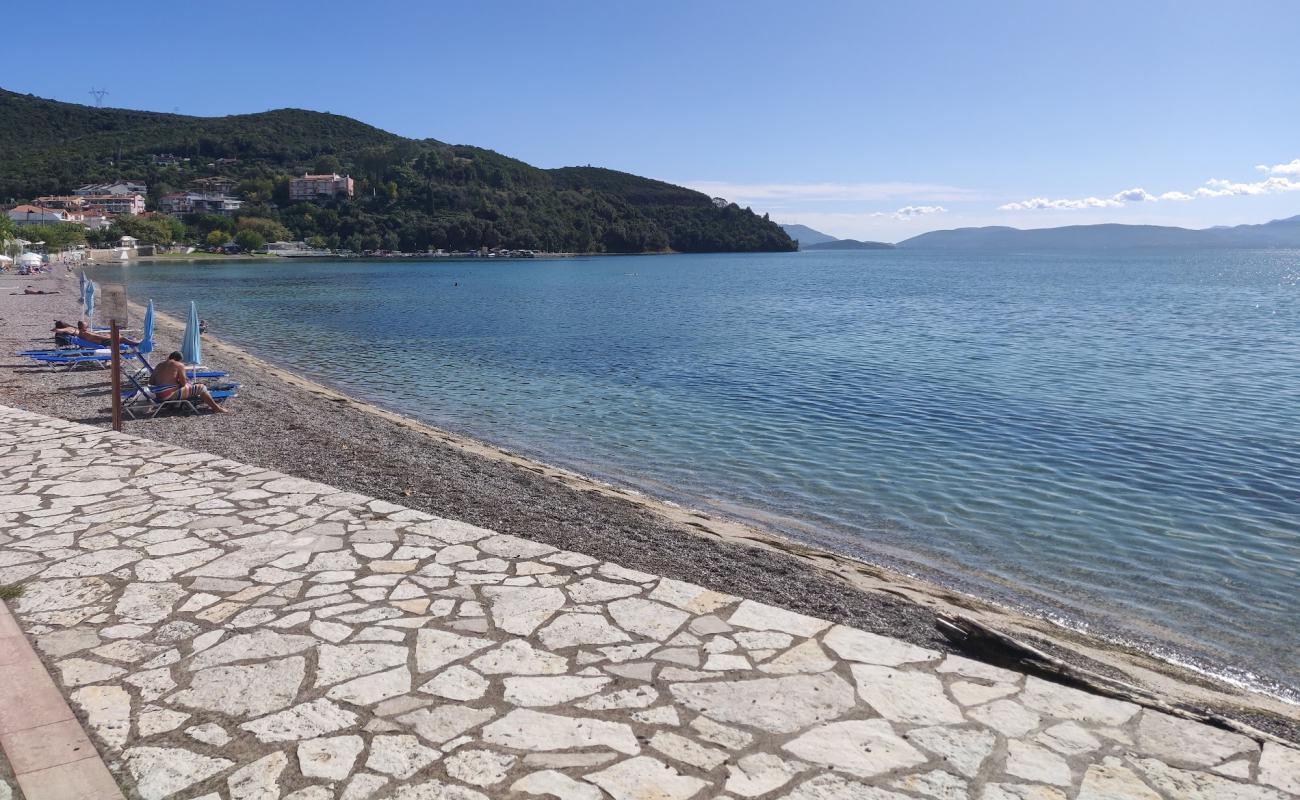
(806, 236)
(847, 244)
(810, 239)
(1278, 233)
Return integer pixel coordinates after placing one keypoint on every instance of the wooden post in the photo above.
(115, 338)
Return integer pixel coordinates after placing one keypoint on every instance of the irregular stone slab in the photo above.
(244, 691)
(522, 609)
(154, 720)
(399, 756)
(1007, 717)
(513, 547)
(594, 590)
(646, 617)
(108, 710)
(97, 563)
(1067, 703)
(859, 747)
(936, 783)
(148, 602)
(435, 648)
(457, 683)
(779, 705)
(518, 657)
(1037, 764)
(762, 617)
(556, 784)
(687, 751)
(1280, 766)
(645, 777)
(906, 696)
(209, 733)
(963, 750)
(363, 785)
(306, 721)
(1114, 782)
(1021, 791)
(437, 790)
(1069, 738)
(444, 723)
(335, 663)
(550, 690)
(869, 648)
(829, 786)
(479, 767)
(570, 630)
(972, 694)
(56, 595)
(259, 780)
(760, 773)
(524, 729)
(258, 645)
(1189, 785)
(80, 671)
(689, 597)
(370, 689)
(1186, 743)
(805, 657)
(161, 772)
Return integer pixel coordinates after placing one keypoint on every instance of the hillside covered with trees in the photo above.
(411, 195)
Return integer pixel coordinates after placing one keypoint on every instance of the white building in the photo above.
(116, 187)
(312, 187)
(36, 215)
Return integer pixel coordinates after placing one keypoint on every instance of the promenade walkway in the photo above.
(227, 632)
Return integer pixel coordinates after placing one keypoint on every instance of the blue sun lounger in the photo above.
(142, 399)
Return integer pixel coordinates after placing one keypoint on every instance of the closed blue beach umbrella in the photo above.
(88, 301)
(191, 352)
(146, 334)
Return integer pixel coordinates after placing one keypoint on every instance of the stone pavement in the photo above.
(229, 632)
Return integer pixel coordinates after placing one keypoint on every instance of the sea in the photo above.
(1110, 440)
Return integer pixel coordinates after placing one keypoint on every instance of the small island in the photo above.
(847, 244)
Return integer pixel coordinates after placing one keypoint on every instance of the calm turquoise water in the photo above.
(1113, 440)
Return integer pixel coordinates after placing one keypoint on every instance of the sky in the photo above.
(868, 120)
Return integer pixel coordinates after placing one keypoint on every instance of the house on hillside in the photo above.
(114, 188)
(36, 215)
(179, 203)
(314, 187)
(130, 204)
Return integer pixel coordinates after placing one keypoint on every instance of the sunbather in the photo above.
(171, 373)
(84, 332)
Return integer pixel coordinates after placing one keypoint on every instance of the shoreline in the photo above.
(725, 554)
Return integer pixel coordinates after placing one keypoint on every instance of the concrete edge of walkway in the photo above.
(51, 756)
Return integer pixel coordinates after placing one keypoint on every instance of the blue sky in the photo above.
(865, 119)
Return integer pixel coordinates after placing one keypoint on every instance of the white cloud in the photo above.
(912, 212)
(1216, 187)
(1221, 188)
(769, 193)
(1290, 168)
(1041, 203)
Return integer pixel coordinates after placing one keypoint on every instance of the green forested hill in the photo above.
(411, 194)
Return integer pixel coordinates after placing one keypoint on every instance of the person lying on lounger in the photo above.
(171, 373)
(84, 332)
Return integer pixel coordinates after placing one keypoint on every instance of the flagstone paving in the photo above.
(231, 633)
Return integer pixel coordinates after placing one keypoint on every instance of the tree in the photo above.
(250, 240)
(328, 165)
(217, 238)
